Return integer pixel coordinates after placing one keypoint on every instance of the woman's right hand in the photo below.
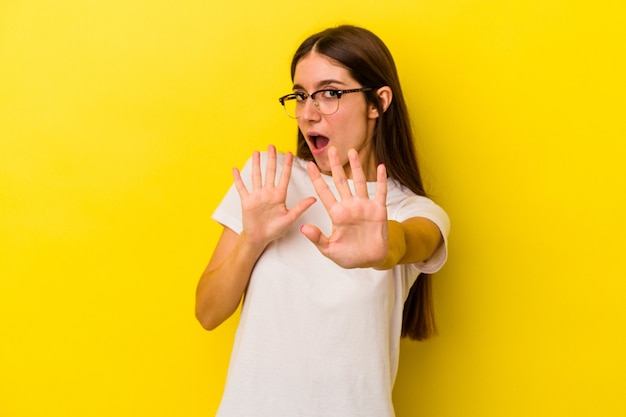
(264, 213)
(265, 218)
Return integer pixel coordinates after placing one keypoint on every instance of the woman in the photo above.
(325, 281)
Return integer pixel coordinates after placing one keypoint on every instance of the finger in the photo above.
(241, 187)
(339, 174)
(257, 180)
(297, 210)
(315, 235)
(285, 174)
(358, 176)
(381, 184)
(270, 169)
(321, 188)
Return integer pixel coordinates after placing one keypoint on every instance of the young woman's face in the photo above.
(352, 126)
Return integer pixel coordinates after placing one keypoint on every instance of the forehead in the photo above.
(316, 70)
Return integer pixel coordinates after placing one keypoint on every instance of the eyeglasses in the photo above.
(326, 101)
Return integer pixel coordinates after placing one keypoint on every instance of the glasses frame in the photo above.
(340, 93)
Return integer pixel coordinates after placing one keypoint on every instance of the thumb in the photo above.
(315, 235)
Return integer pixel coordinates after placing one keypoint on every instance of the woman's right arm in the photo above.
(265, 218)
(225, 278)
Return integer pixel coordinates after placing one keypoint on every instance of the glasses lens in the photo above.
(327, 102)
(290, 103)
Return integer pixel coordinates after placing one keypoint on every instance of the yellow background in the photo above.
(119, 124)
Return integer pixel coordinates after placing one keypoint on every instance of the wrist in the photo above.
(396, 245)
(252, 247)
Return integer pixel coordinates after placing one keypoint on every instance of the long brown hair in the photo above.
(370, 63)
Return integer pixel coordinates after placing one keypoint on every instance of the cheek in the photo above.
(355, 125)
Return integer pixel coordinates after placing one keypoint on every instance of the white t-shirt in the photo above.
(314, 339)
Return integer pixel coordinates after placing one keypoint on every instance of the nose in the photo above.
(309, 110)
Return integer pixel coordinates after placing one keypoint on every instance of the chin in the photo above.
(323, 167)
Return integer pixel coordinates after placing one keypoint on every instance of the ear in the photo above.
(385, 95)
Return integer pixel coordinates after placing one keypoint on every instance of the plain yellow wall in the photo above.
(120, 122)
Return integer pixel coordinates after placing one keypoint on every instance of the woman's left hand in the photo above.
(359, 236)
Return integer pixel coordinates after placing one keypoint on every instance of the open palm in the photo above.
(359, 236)
(264, 213)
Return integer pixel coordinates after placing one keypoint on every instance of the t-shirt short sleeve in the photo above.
(228, 212)
(418, 206)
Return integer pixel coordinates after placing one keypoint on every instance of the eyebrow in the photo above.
(320, 84)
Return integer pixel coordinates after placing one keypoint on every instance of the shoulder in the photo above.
(298, 163)
(400, 196)
(298, 169)
(403, 204)
(280, 159)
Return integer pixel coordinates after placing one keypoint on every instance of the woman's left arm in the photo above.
(362, 236)
(411, 241)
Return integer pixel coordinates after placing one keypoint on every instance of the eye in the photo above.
(330, 93)
(300, 96)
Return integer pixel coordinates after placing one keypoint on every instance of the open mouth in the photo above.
(318, 141)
